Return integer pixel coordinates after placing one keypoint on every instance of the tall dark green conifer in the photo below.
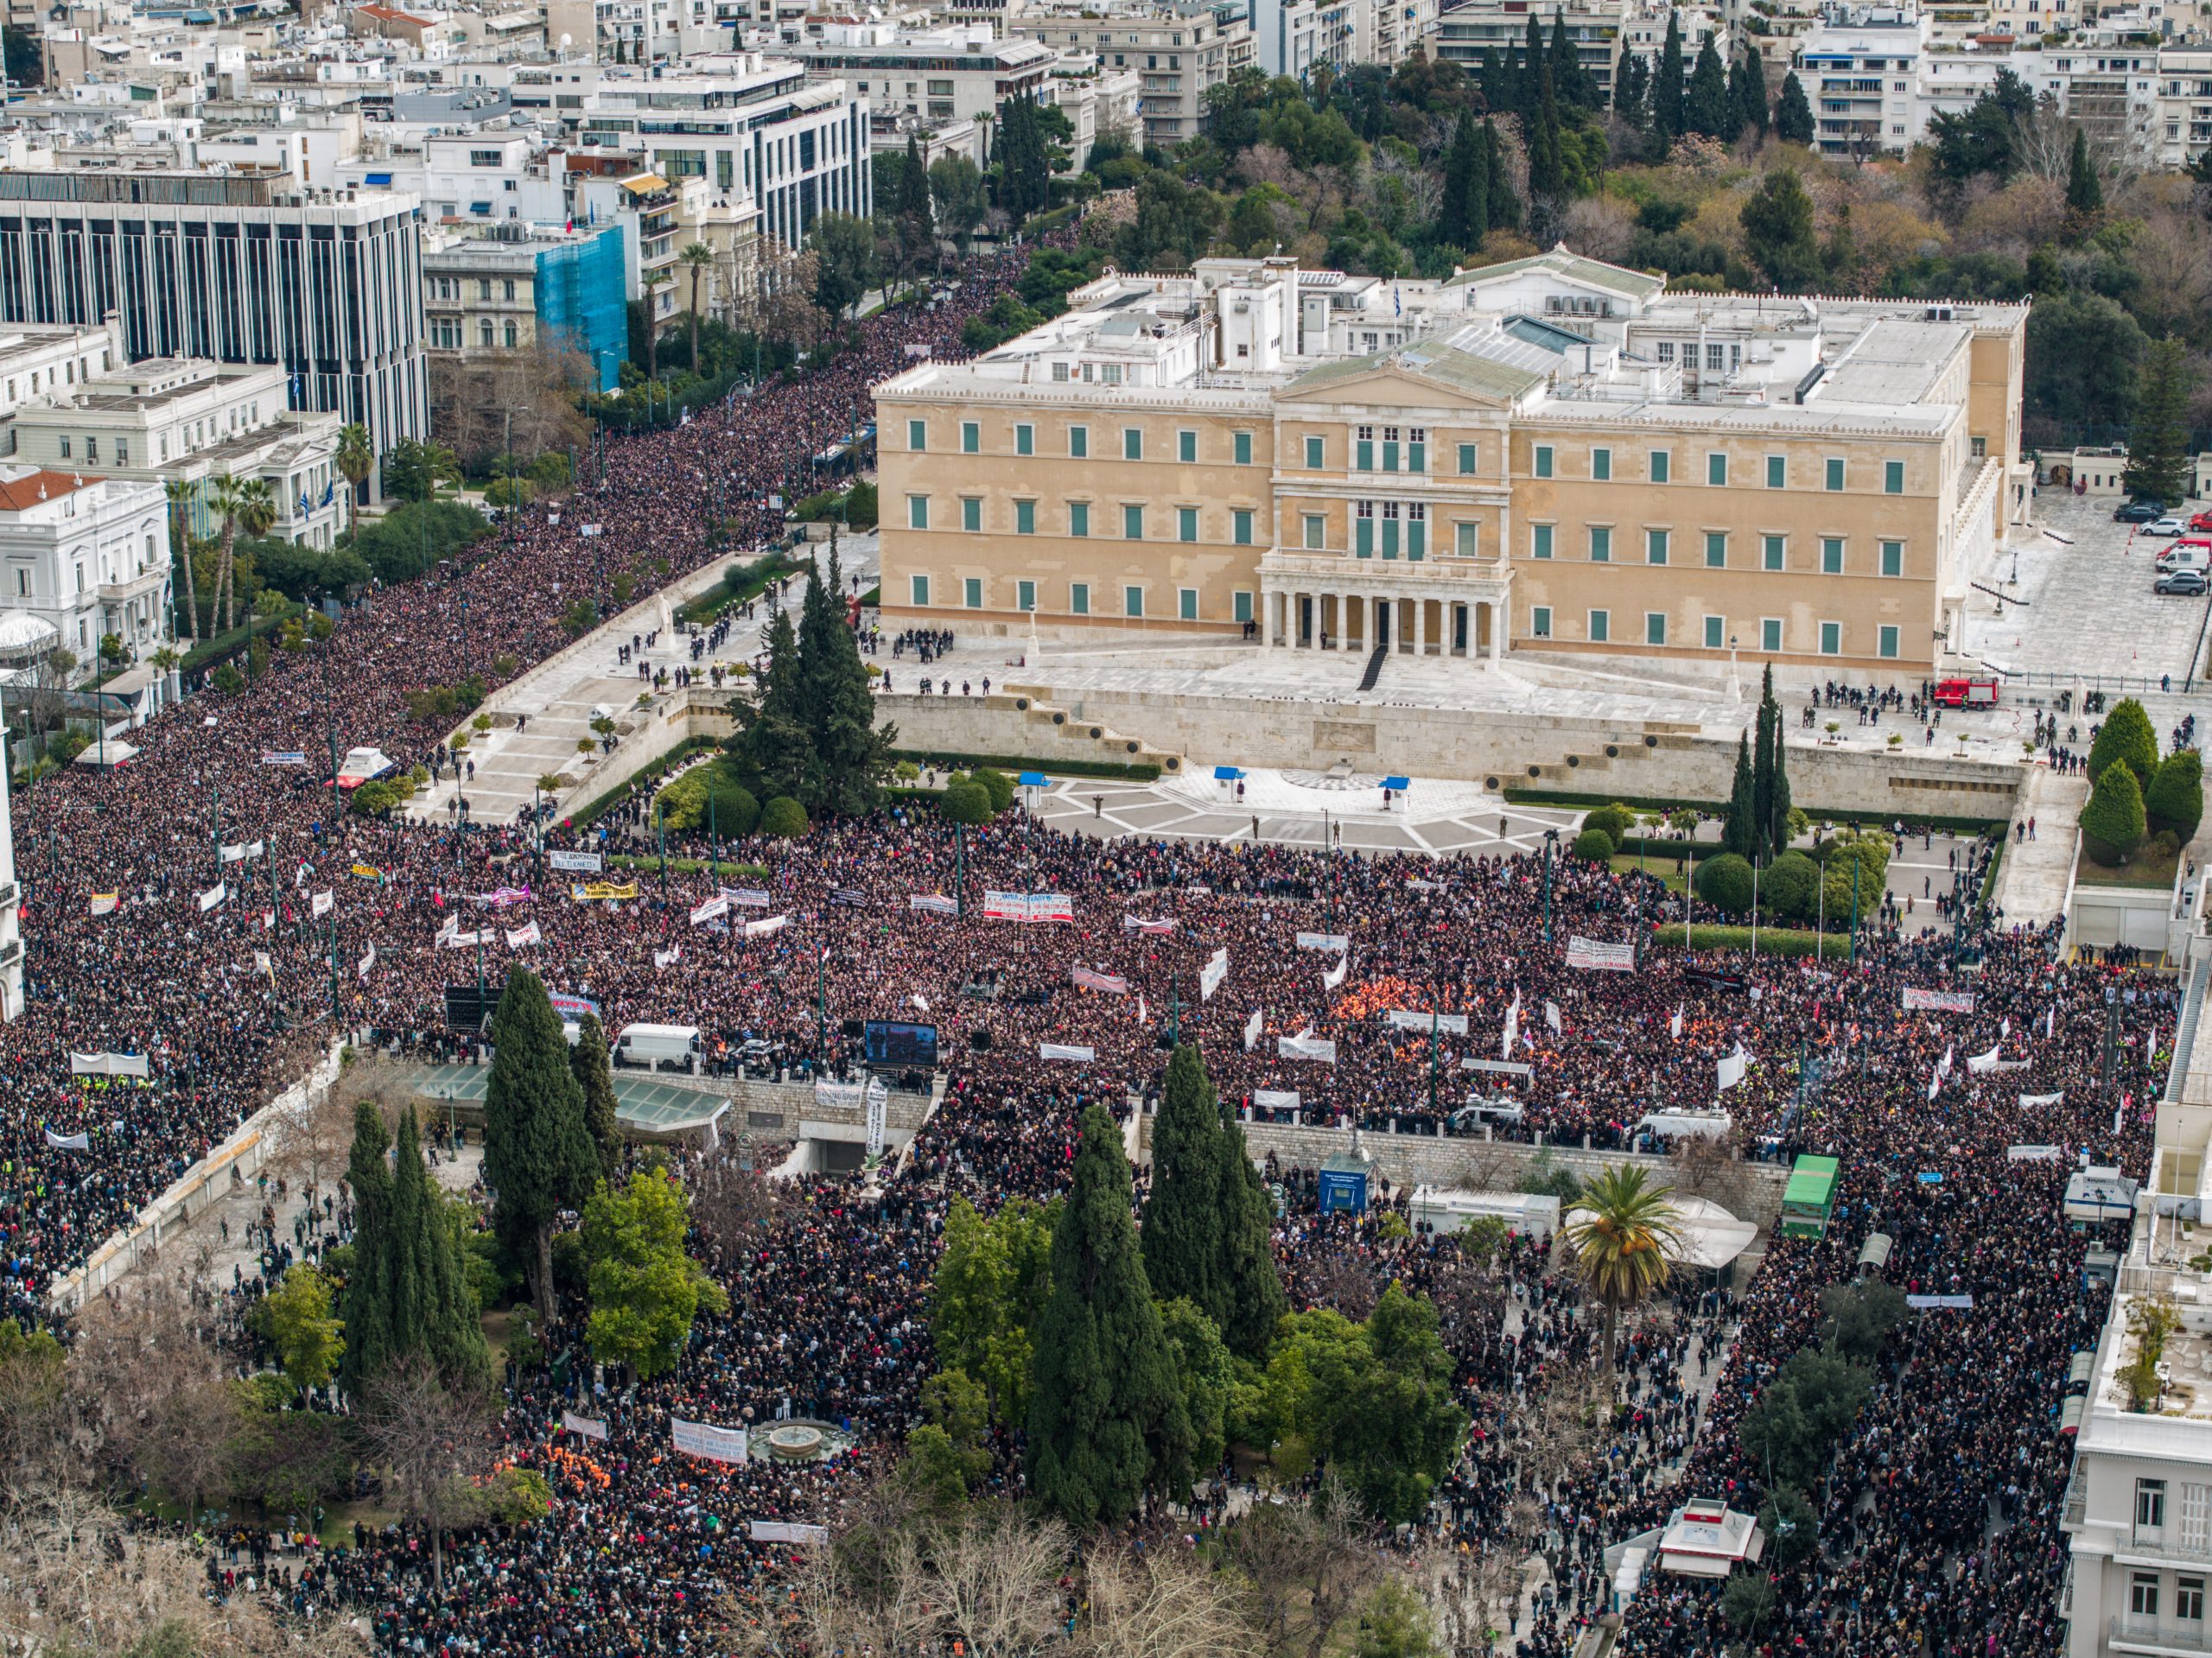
(1571, 82)
(367, 1304)
(1706, 108)
(1667, 83)
(1107, 1421)
(1632, 92)
(1793, 113)
(1529, 87)
(1493, 78)
(1747, 90)
(434, 1306)
(539, 1156)
(1740, 835)
(2085, 196)
(1504, 205)
(1461, 159)
(1184, 1214)
(1777, 799)
(588, 1063)
(1546, 169)
(1256, 1301)
(1769, 717)
(851, 757)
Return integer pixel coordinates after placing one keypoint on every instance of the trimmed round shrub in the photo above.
(2175, 799)
(784, 818)
(1789, 884)
(995, 783)
(966, 801)
(2113, 822)
(1617, 821)
(1873, 850)
(2125, 735)
(2165, 843)
(1725, 882)
(1594, 845)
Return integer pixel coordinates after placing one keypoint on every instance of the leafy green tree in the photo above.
(1777, 220)
(369, 1350)
(993, 1279)
(644, 1290)
(595, 1075)
(413, 469)
(844, 245)
(965, 801)
(1830, 1391)
(2125, 735)
(2113, 822)
(1789, 886)
(1793, 1527)
(783, 819)
(957, 187)
(1858, 1318)
(1396, 1621)
(1748, 1601)
(956, 1408)
(2159, 457)
(1777, 1441)
(1106, 1422)
(2175, 800)
(297, 1317)
(1593, 845)
(1793, 113)
(1183, 1215)
(1740, 834)
(1706, 108)
(539, 1154)
(709, 798)
(1984, 138)
(2083, 358)
(1206, 1375)
(1384, 1409)
(1724, 883)
(1025, 171)
(1575, 87)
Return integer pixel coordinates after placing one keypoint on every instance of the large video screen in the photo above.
(893, 1042)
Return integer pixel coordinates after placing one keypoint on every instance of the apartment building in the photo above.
(938, 74)
(245, 270)
(1564, 458)
(509, 289)
(1179, 48)
(37, 362)
(1595, 28)
(1860, 70)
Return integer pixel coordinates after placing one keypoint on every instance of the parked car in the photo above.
(2202, 521)
(2167, 527)
(2139, 513)
(2190, 582)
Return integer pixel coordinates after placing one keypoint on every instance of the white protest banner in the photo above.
(1140, 924)
(932, 904)
(1275, 1099)
(1052, 906)
(1505, 1066)
(283, 757)
(779, 1531)
(668, 957)
(591, 1428)
(879, 1117)
(839, 1097)
(1674, 1028)
(1956, 1303)
(1336, 943)
(1937, 1001)
(1112, 984)
(762, 928)
(1005, 906)
(2031, 1153)
(582, 863)
(1412, 1018)
(703, 1440)
(1551, 1016)
(367, 961)
(1252, 1029)
(262, 963)
(109, 1064)
(1303, 1046)
(522, 936)
(1065, 1050)
(449, 930)
(470, 940)
(1597, 953)
(80, 1142)
(214, 895)
(746, 898)
(2032, 1102)
(1211, 974)
(1335, 975)
(323, 903)
(239, 851)
(1980, 1063)
(105, 902)
(713, 909)
(1733, 1068)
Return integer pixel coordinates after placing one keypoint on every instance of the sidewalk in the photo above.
(2036, 875)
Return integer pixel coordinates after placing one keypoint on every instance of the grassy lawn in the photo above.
(751, 578)
(1667, 869)
(2148, 867)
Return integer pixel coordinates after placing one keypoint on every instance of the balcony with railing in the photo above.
(2148, 1635)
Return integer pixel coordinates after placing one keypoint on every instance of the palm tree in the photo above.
(181, 493)
(224, 494)
(1625, 1236)
(355, 460)
(699, 258)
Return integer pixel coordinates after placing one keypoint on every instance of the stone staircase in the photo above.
(1053, 732)
(1610, 766)
(1375, 661)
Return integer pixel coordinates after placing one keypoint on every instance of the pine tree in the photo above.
(1793, 113)
(851, 756)
(435, 1314)
(1667, 83)
(1705, 108)
(1504, 205)
(538, 1155)
(2085, 197)
(1547, 171)
(2158, 443)
(772, 747)
(1183, 1217)
(1106, 1422)
(588, 1063)
(367, 1306)
(1256, 1301)
(1740, 835)
(1747, 90)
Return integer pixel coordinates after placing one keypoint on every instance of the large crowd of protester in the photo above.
(1939, 1529)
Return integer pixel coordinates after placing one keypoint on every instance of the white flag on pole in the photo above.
(214, 895)
(1252, 1029)
(1551, 1016)
(1211, 974)
(1512, 1025)
(1733, 1068)
(1335, 975)
(323, 903)
(368, 960)
(1675, 1028)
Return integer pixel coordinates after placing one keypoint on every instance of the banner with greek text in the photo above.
(591, 1428)
(747, 897)
(283, 757)
(105, 902)
(1980, 1063)
(367, 872)
(577, 863)
(1211, 974)
(1598, 954)
(2034, 1101)
(1937, 1001)
(1065, 1050)
(1504, 1067)
(595, 892)
(930, 904)
(323, 903)
(522, 936)
(1006, 906)
(2031, 1153)
(839, 1097)
(78, 1142)
(879, 1117)
(1336, 943)
(1411, 1018)
(703, 1440)
(713, 909)
(367, 961)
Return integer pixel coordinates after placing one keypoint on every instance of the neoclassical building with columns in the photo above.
(1553, 454)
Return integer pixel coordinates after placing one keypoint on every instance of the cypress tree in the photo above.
(1740, 834)
(1570, 81)
(367, 1308)
(2157, 442)
(1632, 92)
(1667, 83)
(1547, 171)
(2084, 196)
(1774, 791)
(588, 1063)
(1705, 108)
(1107, 1421)
(1747, 90)
(773, 746)
(1793, 113)
(1480, 171)
(1763, 773)
(434, 1306)
(914, 186)
(1504, 205)
(1529, 87)
(538, 1155)
(851, 756)
(1496, 90)
(1256, 1302)
(1460, 161)
(1184, 1217)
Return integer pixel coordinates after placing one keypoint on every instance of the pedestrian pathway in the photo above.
(2036, 876)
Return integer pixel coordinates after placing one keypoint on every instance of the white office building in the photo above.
(88, 555)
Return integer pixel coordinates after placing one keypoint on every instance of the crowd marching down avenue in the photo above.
(1939, 1532)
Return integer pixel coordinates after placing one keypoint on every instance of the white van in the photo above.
(2190, 554)
(650, 1047)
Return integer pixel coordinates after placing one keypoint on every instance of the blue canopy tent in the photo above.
(1228, 774)
(1034, 780)
(1400, 784)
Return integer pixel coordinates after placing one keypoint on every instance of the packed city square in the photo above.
(1938, 1520)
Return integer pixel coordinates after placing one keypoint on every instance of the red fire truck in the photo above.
(1966, 692)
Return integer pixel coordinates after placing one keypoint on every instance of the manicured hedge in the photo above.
(1014, 766)
(649, 865)
(1773, 941)
(1720, 809)
(650, 775)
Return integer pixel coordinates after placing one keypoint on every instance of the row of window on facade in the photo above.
(1392, 448)
(2147, 1590)
(448, 287)
(1133, 598)
(447, 333)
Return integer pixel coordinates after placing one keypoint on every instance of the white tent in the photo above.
(360, 764)
(1709, 1236)
(110, 753)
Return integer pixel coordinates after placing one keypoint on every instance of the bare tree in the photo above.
(1710, 1167)
(520, 401)
(1160, 1605)
(1553, 1427)
(730, 1204)
(1309, 1565)
(436, 1443)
